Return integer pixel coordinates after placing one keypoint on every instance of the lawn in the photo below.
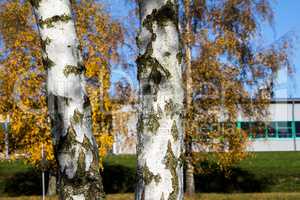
(275, 172)
(261, 172)
(8, 170)
(280, 168)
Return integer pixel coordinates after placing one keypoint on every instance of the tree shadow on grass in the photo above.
(239, 180)
(24, 183)
(118, 179)
(122, 179)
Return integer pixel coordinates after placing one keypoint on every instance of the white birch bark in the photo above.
(160, 130)
(69, 107)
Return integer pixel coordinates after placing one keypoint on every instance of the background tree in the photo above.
(187, 43)
(160, 132)
(229, 73)
(22, 77)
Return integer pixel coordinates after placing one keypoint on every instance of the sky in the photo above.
(287, 22)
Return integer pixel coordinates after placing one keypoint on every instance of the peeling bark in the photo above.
(160, 131)
(69, 107)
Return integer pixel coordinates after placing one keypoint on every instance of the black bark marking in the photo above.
(45, 42)
(35, 3)
(47, 62)
(49, 22)
(174, 131)
(72, 69)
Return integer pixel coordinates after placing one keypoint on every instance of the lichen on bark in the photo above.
(77, 116)
(152, 122)
(171, 163)
(170, 108)
(174, 131)
(49, 22)
(148, 176)
(72, 69)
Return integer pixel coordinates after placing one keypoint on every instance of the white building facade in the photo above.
(280, 131)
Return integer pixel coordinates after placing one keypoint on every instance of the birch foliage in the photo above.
(231, 73)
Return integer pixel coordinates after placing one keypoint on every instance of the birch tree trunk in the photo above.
(69, 107)
(189, 172)
(160, 130)
(6, 139)
(52, 182)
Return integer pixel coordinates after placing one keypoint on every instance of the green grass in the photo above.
(124, 160)
(279, 163)
(252, 196)
(10, 168)
(276, 171)
(283, 167)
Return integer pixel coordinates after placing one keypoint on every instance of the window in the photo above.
(245, 126)
(258, 129)
(297, 124)
(281, 129)
(271, 128)
(284, 124)
(285, 132)
(284, 129)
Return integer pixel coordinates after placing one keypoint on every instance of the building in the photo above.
(280, 130)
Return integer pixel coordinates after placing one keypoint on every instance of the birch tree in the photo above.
(227, 62)
(160, 131)
(69, 106)
(189, 172)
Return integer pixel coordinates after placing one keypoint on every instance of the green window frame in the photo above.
(272, 130)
